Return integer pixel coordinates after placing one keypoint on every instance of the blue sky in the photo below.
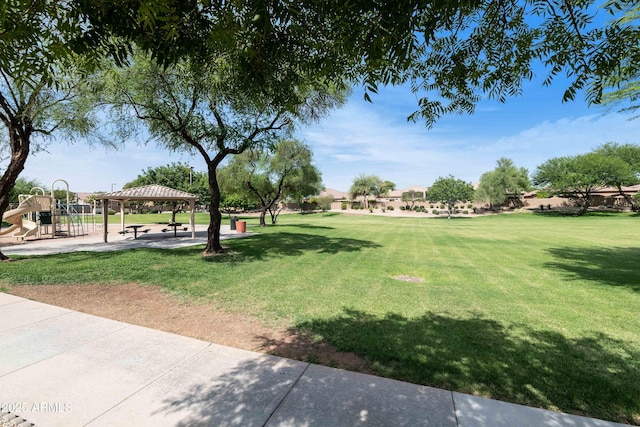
(377, 139)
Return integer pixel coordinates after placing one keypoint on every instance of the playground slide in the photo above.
(14, 216)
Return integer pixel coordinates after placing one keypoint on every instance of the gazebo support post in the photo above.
(121, 215)
(105, 218)
(192, 208)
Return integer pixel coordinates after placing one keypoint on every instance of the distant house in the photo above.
(393, 198)
(607, 196)
(396, 195)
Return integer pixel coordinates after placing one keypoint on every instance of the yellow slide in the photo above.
(15, 216)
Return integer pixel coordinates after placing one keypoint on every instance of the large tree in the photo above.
(505, 183)
(449, 190)
(630, 154)
(412, 196)
(623, 87)
(450, 52)
(271, 176)
(198, 107)
(578, 177)
(40, 83)
(367, 186)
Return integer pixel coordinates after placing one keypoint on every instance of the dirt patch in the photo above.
(409, 279)
(149, 306)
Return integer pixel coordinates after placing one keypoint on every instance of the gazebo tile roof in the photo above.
(150, 192)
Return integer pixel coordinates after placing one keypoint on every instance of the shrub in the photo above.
(370, 210)
(111, 212)
(401, 208)
(390, 208)
(475, 210)
(466, 212)
(343, 206)
(435, 212)
(442, 206)
(431, 206)
(469, 206)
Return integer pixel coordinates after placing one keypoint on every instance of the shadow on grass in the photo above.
(255, 247)
(610, 266)
(265, 246)
(305, 226)
(593, 375)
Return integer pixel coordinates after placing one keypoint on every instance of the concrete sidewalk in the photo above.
(59, 367)
(117, 242)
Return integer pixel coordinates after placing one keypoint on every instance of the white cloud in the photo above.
(373, 139)
(358, 140)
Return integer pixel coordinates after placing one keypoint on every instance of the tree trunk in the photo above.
(215, 217)
(19, 153)
(585, 207)
(627, 198)
(263, 214)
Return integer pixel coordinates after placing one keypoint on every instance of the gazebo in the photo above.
(147, 193)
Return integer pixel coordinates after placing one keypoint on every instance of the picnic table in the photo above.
(135, 229)
(175, 226)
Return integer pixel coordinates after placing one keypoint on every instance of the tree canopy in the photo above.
(449, 190)
(271, 176)
(40, 83)
(367, 186)
(198, 107)
(630, 154)
(450, 52)
(505, 183)
(578, 177)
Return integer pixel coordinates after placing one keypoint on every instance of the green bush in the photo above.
(466, 212)
(469, 206)
(390, 208)
(343, 206)
(431, 206)
(435, 212)
(401, 208)
(442, 206)
(111, 212)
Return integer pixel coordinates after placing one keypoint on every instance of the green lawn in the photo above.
(539, 310)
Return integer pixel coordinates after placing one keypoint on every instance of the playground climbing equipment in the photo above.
(35, 213)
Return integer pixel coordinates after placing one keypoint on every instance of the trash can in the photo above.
(232, 221)
(242, 226)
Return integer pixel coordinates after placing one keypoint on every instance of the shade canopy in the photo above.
(147, 193)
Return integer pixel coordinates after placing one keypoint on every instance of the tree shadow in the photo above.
(594, 375)
(305, 226)
(610, 266)
(230, 388)
(266, 246)
(251, 248)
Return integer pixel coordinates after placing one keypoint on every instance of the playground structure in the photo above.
(35, 213)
